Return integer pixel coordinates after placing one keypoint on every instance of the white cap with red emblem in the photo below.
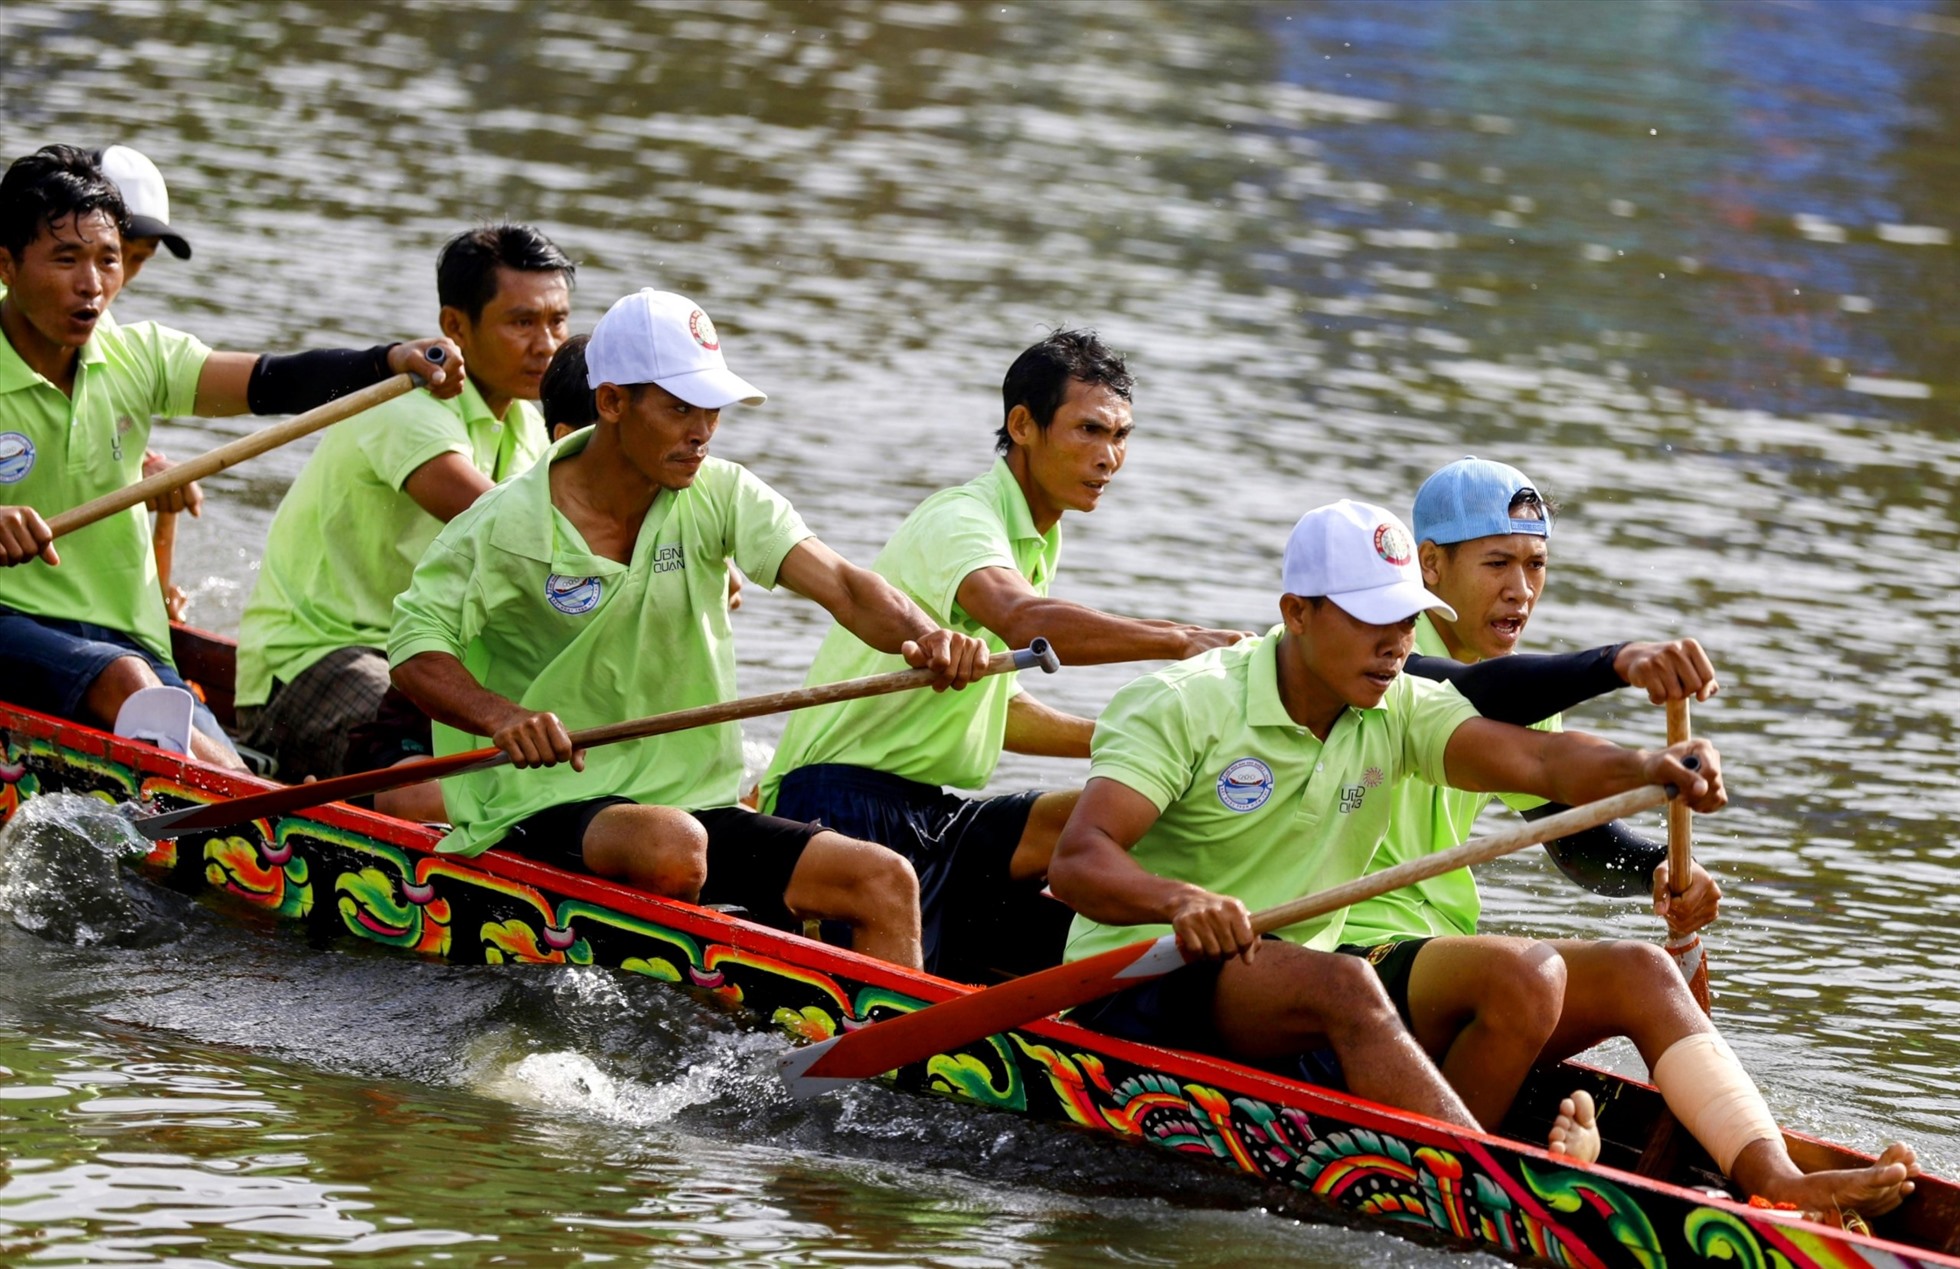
(659, 337)
(1362, 558)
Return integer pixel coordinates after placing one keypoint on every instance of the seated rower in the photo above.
(592, 588)
(77, 393)
(374, 494)
(980, 558)
(1264, 771)
(1487, 1008)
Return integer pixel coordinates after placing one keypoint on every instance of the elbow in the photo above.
(1067, 875)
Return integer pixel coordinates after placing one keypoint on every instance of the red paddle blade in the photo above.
(952, 1024)
(1689, 959)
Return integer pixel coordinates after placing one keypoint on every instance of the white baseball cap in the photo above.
(144, 196)
(1362, 558)
(659, 337)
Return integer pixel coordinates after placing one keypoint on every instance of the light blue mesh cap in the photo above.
(1471, 498)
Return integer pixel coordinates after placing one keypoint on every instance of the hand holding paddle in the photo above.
(281, 801)
(951, 1024)
(1684, 948)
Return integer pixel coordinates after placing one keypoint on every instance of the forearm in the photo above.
(877, 612)
(1527, 688)
(450, 694)
(1092, 873)
(1082, 635)
(1034, 728)
(1610, 860)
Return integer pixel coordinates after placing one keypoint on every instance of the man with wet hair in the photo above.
(350, 531)
(83, 627)
(590, 589)
(980, 558)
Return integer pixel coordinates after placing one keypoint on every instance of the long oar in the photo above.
(230, 454)
(1684, 948)
(947, 1026)
(280, 801)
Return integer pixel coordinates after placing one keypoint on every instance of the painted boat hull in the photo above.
(337, 872)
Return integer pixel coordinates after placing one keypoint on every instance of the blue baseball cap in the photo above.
(1471, 498)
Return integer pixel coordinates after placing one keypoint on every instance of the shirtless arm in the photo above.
(1045, 732)
(880, 614)
(1002, 600)
(1094, 873)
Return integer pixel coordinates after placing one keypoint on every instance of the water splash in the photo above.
(61, 875)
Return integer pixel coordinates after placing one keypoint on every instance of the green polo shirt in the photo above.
(57, 452)
(510, 589)
(347, 536)
(944, 738)
(1250, 803)
(1428, 819)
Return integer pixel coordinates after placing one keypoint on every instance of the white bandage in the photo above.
(1713, 1097)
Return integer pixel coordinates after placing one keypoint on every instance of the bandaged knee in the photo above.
(1713, 1097)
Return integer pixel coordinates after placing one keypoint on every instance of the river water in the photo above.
(1691, 265)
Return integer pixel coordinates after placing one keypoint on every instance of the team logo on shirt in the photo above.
(16, 457)
(1245, 785)
(1393, 545)
(1352, 796)
(703, 331)
(573, 596)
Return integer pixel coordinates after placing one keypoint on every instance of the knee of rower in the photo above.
(121, 679)
(1352, 991)
(1635, 961)
(888, 881)
(858, 882)
(654, 848)
(1525, 990)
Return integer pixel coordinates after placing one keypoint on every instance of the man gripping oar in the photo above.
(78, 638)
(1267, 770)
(594, 586)
(1487, 1008)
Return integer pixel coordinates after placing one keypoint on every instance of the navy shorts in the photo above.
(979, 924)
(750, 856)
(1175, 1012)
(48, 664)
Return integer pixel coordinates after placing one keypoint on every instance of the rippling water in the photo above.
(1691, 265)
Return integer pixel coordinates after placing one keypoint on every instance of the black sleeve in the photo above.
(299, 381)
(1526, 688)
(1611, 859)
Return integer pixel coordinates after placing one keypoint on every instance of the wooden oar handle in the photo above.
(1680, 821)
(229, 454)
(1481, 850)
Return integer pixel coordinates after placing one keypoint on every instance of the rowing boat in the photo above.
(337, 872)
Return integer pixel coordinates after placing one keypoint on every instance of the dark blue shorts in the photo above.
(47, 664)
(1175, 1012)
(979, 924)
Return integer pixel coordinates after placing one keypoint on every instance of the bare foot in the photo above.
(1575, 1133)
(1871, 1191)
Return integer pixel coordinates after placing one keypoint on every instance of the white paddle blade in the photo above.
(794, 1065)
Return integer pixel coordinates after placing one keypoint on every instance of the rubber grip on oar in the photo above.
(1039, 653)
(1692, 763)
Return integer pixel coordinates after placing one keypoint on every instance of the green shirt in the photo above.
(348, 536)
(946, 738)
(1427, 819)
(57, 452)
(1251, 804)
(510, 589)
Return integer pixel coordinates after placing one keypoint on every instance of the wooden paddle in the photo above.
(951, 1024)
(299, 796)
(230, 454)
(1684, 948)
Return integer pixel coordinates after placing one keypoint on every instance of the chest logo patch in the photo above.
(1245, 785)
(16, 457)
(573, 596)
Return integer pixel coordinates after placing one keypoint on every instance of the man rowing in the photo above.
(593, 587)
(350, 531)
(1488, 1008)
(83, 628)
(980, 558)
(1263, 771)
